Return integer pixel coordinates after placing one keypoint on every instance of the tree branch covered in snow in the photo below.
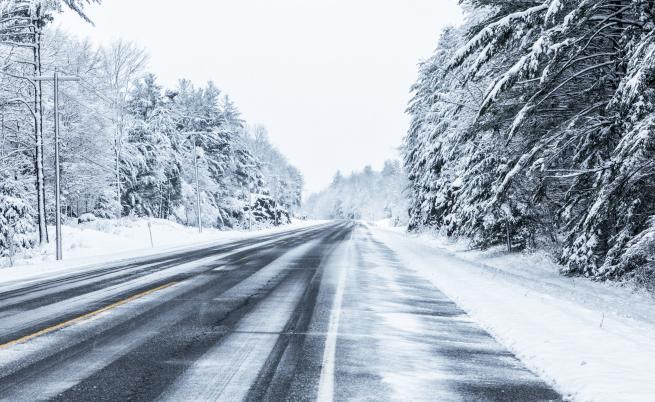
(126, 143)
(570, 90)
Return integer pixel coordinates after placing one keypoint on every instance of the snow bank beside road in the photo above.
(591, 341)
(106, 240)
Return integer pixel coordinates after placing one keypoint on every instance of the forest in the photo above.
(367, 195)
(128, 146)
(533, 127)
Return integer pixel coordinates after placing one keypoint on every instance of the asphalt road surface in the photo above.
(323, 313)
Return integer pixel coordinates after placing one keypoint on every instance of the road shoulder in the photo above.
(583, 352)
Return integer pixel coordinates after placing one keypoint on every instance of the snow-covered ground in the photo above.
(106, 240)
(591, 341)
(384, 223)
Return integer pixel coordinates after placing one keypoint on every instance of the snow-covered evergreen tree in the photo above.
(532, 125)
(22, 24)
(151, 169)
(17, 224)
(284, 181)
(367, 195)
(127, 145)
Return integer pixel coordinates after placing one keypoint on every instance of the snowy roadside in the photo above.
(591, 341)
(103, 241)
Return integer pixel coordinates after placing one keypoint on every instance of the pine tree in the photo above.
(559, 148)
(17, 227)
(369, 194)
(151, 171)
(21, 28)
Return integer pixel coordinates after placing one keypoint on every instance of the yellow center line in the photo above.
(84, 317)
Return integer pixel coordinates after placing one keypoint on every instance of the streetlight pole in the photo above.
(56, 78)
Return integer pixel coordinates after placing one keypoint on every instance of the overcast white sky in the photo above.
(328, 78)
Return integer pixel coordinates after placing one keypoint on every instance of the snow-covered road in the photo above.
(321, 313)
(591, 341)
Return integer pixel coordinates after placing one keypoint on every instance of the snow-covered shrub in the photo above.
(266, 211)
(105, 205)
(17, 228)
(87, 217)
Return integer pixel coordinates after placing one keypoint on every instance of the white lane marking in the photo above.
(326, 382)
(225, 268)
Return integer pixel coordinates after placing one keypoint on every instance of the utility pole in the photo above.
(250, 207)
(276, 193)
(56, 78)
(195, 167)
(192, 136)
(277, 223)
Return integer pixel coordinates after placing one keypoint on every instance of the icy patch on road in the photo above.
(403, 322)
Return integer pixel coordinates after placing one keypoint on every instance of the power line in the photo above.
(111, 170)
(79, 103)
(91, 88)
(86, 84)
